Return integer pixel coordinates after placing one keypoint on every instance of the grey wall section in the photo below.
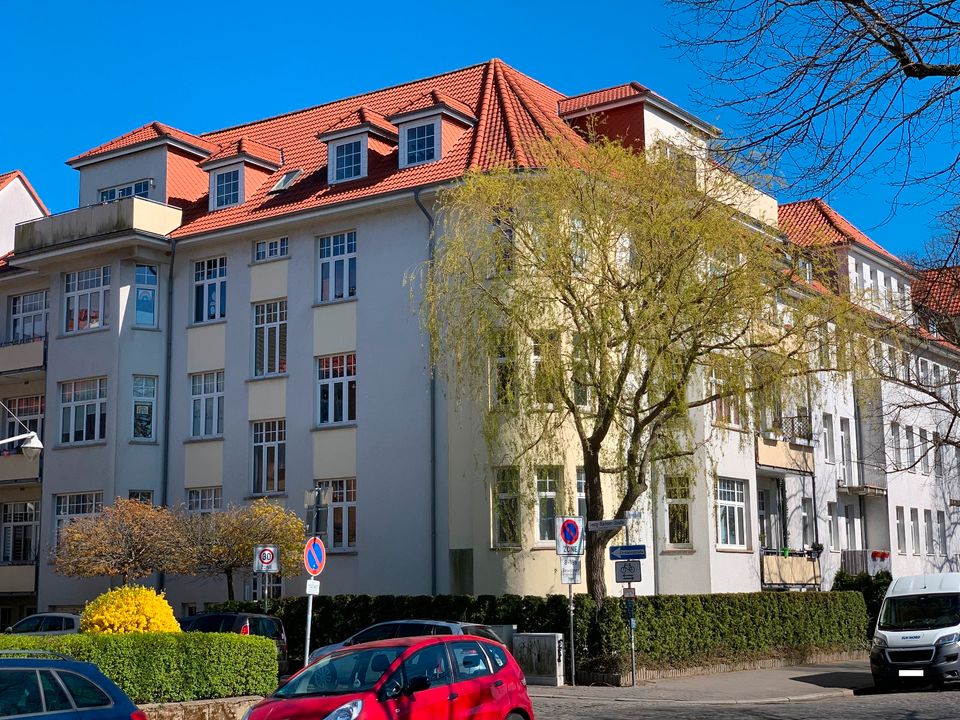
(143, 165)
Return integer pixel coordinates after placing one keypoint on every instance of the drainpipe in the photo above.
(433, 420)
(167, 362)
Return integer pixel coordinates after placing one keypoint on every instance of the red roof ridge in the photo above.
(148, 132)
(7, 177)
(247, 146)
(543, 120)
(361, 116)
(433, 98)
(603, 96)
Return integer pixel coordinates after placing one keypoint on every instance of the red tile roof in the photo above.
(8, 177)
(360, 117)
(812, 222)
(433, 99)
(514, 112)
(150, 132)
(247, 146)
(597, 98)
(939, 290)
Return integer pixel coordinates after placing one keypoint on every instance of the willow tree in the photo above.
(592, 300)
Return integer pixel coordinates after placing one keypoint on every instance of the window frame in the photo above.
(143, 285)
(71, 299)
(200, 400)
(942, 532)
(17, 314)
(273, 249)
(328, 261)
(223, 200)
(203, 500)
(677, 495)
(264, 429)
(347, 391)
(212, 273)
(332, 159)
(91, 498)
(270, 338)
(829, 442)
(915, 530)
(142, 399)
(435, 124)
(143, 496)
(12, 516)
(928, 532)
(549, 480)
(29, 410)
(506, 490)
(100, 417)
(901, 517)
(738, 507)
(346, 490)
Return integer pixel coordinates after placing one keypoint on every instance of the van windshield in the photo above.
(920, 612)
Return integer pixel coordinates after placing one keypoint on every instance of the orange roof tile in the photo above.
(247, 146)
(597, 98)
(150, 132)
(812, 222)
(433, 99)
(514, 112)
(939, 290)
(8, 177)
(359, 118)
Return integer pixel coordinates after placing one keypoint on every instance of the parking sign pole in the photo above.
(632, 620)
(573, 652)
(306, 646)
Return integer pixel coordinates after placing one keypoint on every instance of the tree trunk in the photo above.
(596, 541)
(229, 574)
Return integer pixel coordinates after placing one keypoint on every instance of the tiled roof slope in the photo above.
(939, 290)
(362, 116)
(246, 146)
(513, 112)
(810, 223)
(144, 134)
(8, 177)
(600, 97)
(435, 98)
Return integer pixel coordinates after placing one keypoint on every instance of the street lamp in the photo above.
(32, 447)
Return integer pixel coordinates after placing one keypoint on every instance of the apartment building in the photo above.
(225, 318)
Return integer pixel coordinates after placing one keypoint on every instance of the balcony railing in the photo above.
(18, 579)
(864, 561)
(798, 427)
(795, 569)
(861, 478)
(27, 354)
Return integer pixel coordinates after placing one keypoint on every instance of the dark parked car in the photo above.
(47, 624)
(55, 687)
(244, 624)
(408, 628)
(454, 677)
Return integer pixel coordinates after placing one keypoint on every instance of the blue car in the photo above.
(54, 687)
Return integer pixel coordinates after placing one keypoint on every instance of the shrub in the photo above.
(873, 589)
(170, 667)
(129, 609)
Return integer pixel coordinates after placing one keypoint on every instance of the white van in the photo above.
(918, 632)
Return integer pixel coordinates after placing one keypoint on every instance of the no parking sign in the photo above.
(569, 536)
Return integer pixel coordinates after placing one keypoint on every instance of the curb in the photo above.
(809, 697)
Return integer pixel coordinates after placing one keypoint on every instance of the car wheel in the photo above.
(514, 716)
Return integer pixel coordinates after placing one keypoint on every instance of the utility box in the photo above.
(540, 656)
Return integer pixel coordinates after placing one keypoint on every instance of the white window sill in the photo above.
(76, 333)
(257, 496)
(333, 426)
(505, 548)
(205, 323)
(734, 549)
(545, 545)
(678, 550)
(70, 446)
(267, 261)
(336, 301)
(273, 376)
(342, 551)
(208, 438)
(146, 328)
(143, 441)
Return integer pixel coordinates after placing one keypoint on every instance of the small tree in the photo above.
(603, 299)
(129, 538)
(224, 541)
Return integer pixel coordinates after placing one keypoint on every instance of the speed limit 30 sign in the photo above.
(266, 559)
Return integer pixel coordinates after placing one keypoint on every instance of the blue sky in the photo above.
(84, 73)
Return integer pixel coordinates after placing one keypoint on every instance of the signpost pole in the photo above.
(306, 646)
(316, 532)
(263, 588)
(633, 622)
(573, 656)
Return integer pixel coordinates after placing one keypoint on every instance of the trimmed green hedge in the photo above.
(169, 667)
(671, 629)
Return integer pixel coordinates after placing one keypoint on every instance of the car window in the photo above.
(53, 693)
(431, 662)
(28, 624)
(383, 631)
(51, 624)
(498, 656)
(69, 623)
(213, 623)
(469, 662)
(268, 627)
(442, 630)
(85, 694)
(19, 693)
(481, 631)
(413, 629)
(343, 672)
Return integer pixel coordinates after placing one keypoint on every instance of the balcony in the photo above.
(23, 356)
(788, 445)
(15, 467)
(795, 570)
(864, 561)
(95, 225)
(860, 478)
(17, 579)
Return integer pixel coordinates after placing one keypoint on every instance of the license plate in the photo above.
(911, 673)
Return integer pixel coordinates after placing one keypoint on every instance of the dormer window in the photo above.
(419, 143)
(228, 188)
(141, 188)
(348, 158)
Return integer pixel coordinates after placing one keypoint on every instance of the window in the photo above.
(469, 662)
(337, 389)
(915, 529)
(209, 289)
(206, 390)
(54, 696)
(544, 359)
(269, 456)
(911, 450)
(86, 299)
(70, 506)
(270, 338)
(846, 450)
(29, 410)
(144, 407)
(942, 532)
(730, 513)
(421, 144)
(146, 294)
(829, 448)
(19, 527)
(204, 499)
(937, 455)
(285, 181)
(850, 518)
(143, 496)
(83, 410)
(347, 160)
(807, 520)
(141, 188)
(678, 509)
(228, 188)
(431, 663)
(504, 389)
(28, 316)
(338, 266)
(901, 531)
(726, 408)
(581, 493)
(23, 690)
(506, 509)
(270, 249)
(342, 514)
(895, 445)
(548, 479)
(928, 530)
(924, 452)
(834, 527)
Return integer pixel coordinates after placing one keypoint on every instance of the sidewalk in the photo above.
(750, 687)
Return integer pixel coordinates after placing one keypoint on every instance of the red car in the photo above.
(415, 678)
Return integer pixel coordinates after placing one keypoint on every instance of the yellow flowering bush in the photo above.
(129, 609)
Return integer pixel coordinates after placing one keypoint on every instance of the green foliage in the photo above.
(170, 667)
(873, 588)
(671, 629)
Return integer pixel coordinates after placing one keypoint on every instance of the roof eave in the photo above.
(84, 160)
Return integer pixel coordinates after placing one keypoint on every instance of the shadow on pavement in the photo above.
(850, 680)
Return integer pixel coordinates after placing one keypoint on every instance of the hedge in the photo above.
(169, 667)
(670, 629)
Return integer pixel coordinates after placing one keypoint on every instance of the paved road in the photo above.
(922, 705)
